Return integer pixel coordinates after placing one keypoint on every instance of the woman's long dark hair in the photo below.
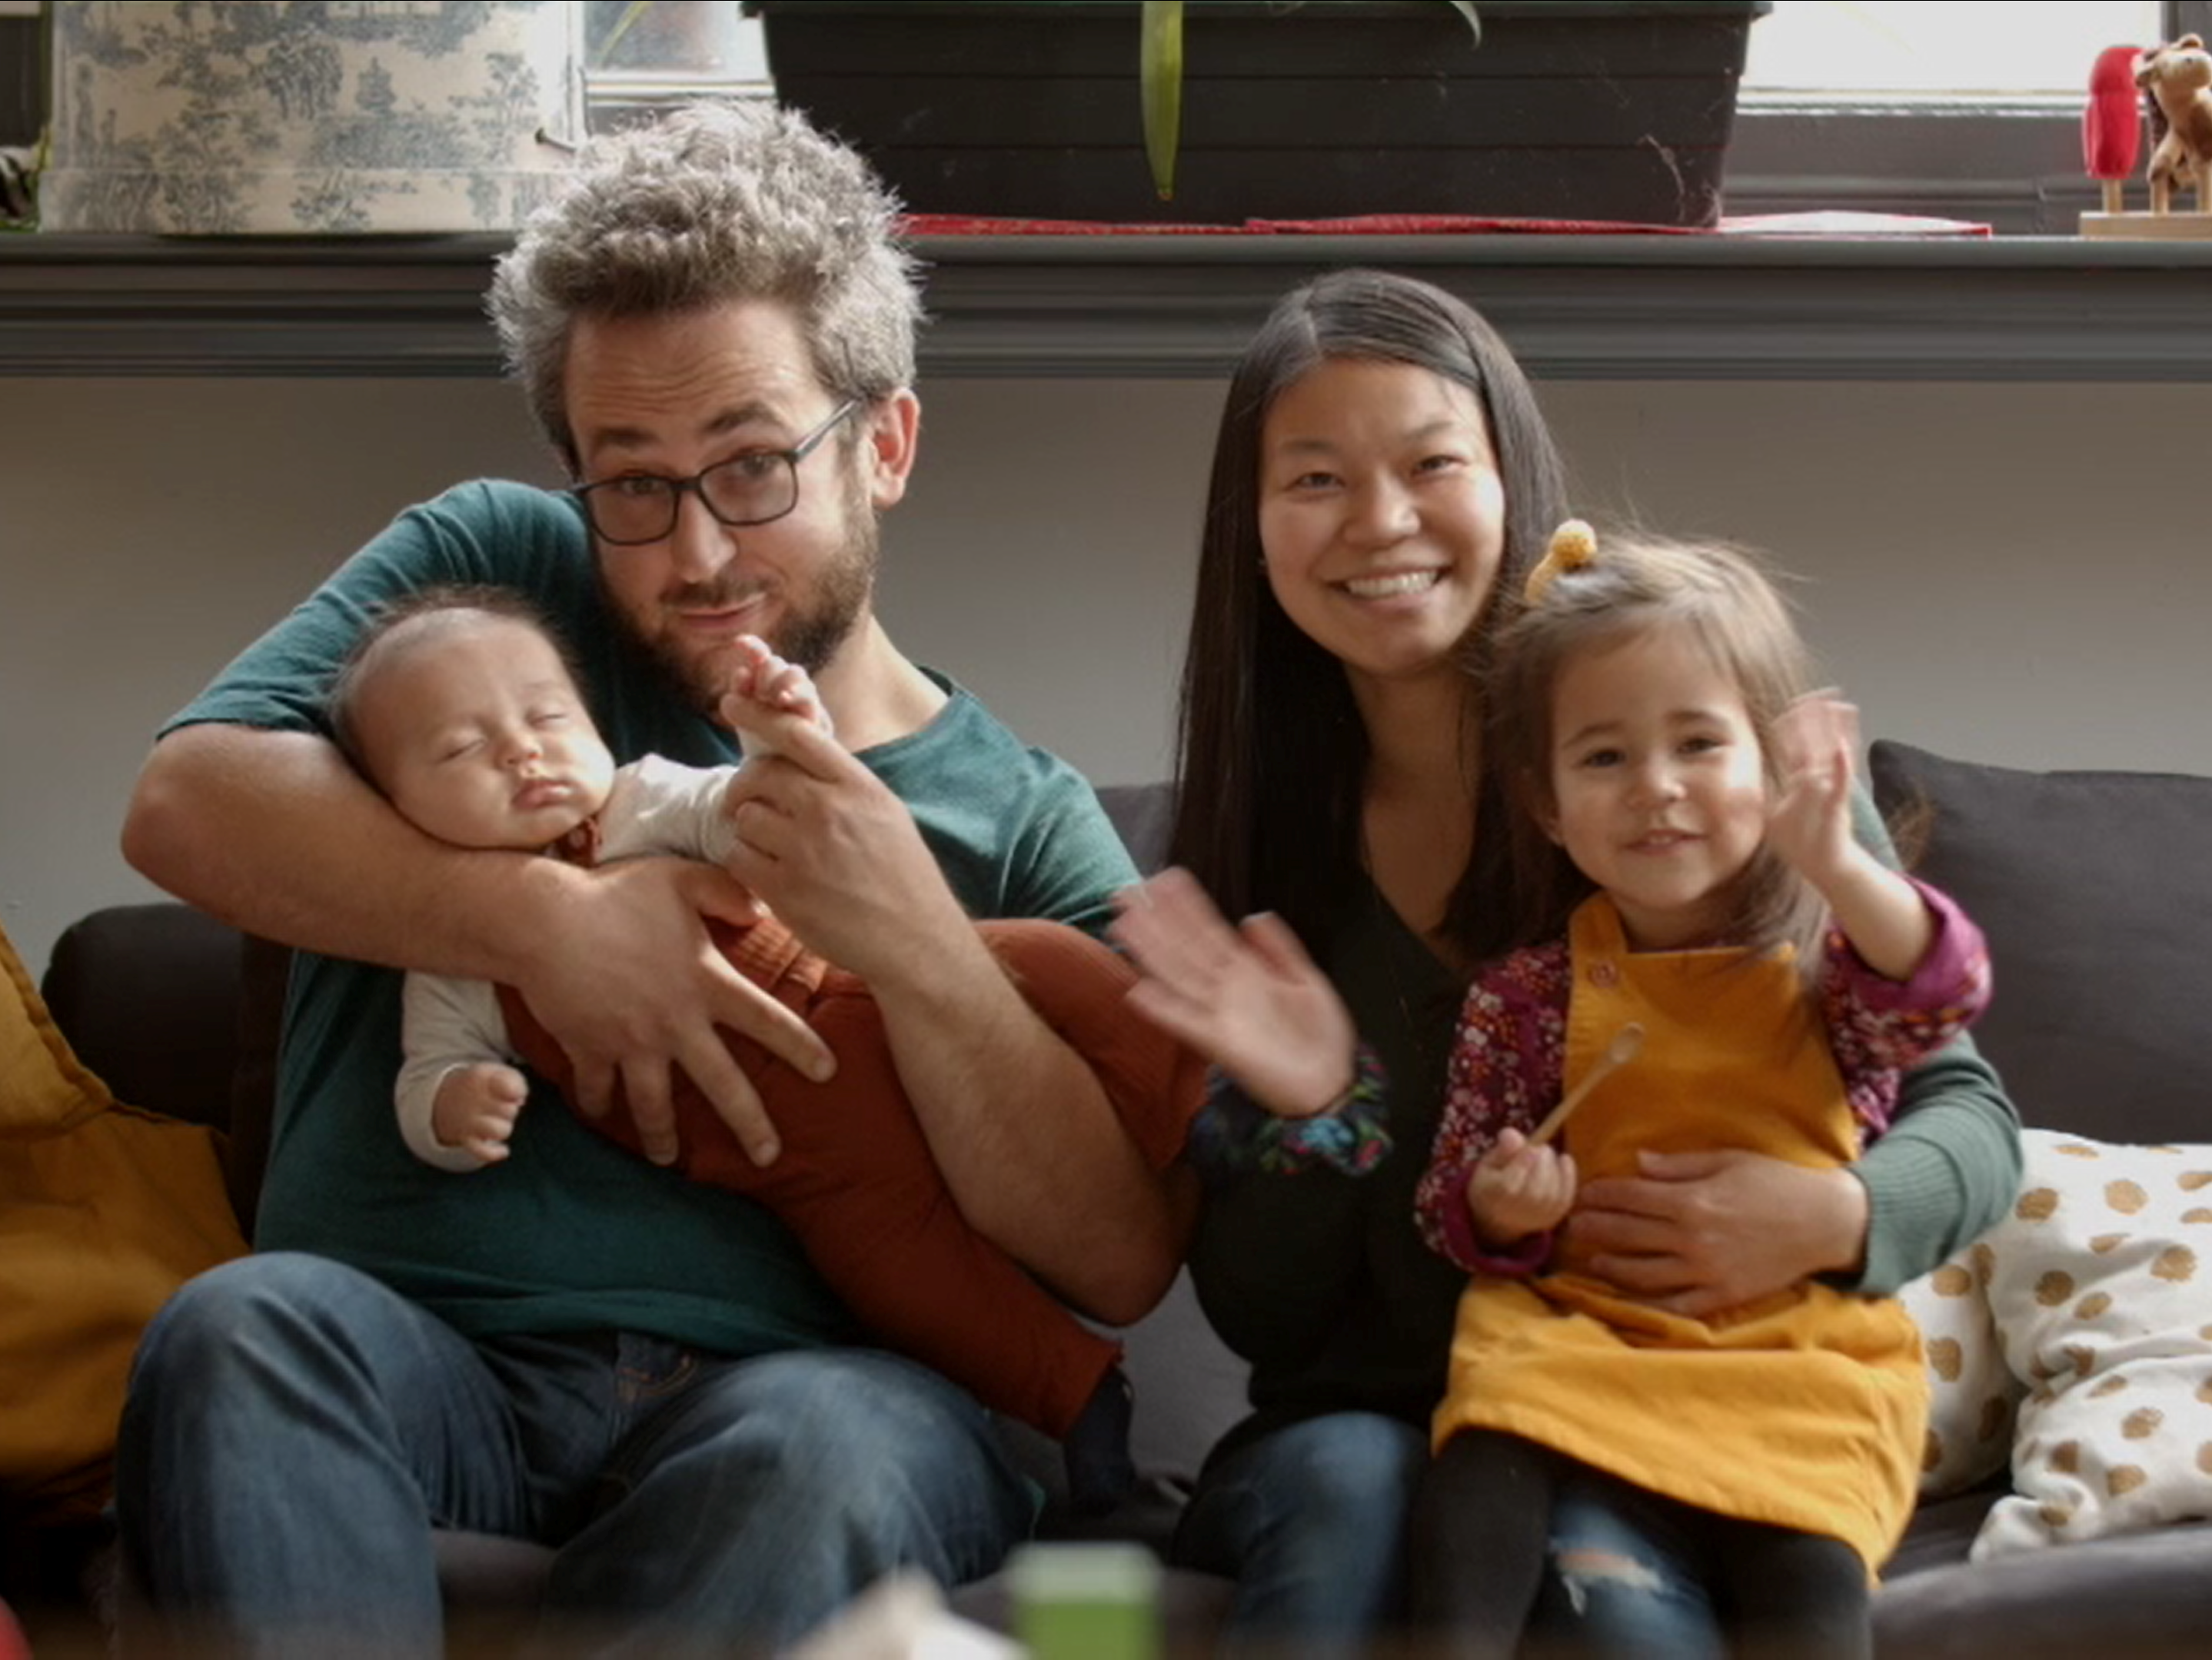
(1272, 757)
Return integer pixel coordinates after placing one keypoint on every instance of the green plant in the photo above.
(1159, 77)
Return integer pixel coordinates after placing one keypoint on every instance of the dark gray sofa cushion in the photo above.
(2095, 890)
(1142, 815)
(2137, 1596)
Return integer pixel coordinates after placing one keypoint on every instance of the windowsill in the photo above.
(1603, 307)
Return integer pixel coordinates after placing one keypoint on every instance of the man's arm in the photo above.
(1022, 1131)
(272, 831)
(1026, 1137)
(275, 833)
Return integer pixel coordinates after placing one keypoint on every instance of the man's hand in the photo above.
(827, 846)
(1701, 1233)
(633, 986)
(1022, 1129)
(1247, 998)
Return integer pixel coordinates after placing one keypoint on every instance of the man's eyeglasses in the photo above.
(753, 488)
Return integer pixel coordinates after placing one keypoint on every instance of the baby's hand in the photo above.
(1517, 1190)
(1809, 822)
(764, 689)
(475, 1108)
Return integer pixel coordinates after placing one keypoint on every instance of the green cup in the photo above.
(1088, 1601)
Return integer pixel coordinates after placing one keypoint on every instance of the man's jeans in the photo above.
(293, 1429)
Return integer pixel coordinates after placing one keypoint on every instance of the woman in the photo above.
(1382, 480)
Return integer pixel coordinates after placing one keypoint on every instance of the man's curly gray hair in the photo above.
(713, 202)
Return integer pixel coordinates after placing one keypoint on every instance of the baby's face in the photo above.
(472, 727)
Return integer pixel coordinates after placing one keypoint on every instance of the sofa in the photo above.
(2095, 890)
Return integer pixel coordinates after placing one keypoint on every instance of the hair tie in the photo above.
(1574, 544)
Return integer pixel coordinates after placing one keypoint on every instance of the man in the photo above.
(715, 329)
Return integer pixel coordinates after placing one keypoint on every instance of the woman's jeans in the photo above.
(294, 1429)
(1310, 1522)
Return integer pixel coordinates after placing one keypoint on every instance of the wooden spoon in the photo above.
(1625, 1043)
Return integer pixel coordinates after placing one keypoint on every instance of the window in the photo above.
(1962, 111)
(1948, 107)
(1905, 49)
(640, 54)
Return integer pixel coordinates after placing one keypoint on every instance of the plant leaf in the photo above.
(1159, 77)
(605, 56)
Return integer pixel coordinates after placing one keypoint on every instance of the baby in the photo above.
(459, 707)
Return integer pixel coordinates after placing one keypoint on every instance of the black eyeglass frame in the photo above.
(678, 488)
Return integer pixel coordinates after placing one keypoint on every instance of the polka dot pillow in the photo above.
(1971, 1393)
(2100, 1284)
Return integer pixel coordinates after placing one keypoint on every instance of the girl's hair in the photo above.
(713, 202)
(342, 703)
(1272, 754)
(1635, 585)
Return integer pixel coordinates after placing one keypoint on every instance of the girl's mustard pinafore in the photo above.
(1807, 1410)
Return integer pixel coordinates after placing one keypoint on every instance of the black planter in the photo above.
(1568, 109)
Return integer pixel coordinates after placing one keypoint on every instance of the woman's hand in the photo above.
(1247, 997)
(1700, 1232)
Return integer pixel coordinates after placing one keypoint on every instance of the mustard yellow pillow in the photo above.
(104, 1211)
(44, 1087)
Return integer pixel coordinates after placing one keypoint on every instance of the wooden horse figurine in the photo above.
(2178, 77)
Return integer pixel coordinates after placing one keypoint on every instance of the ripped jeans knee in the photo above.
(1622, 1579)
(1589, 1571)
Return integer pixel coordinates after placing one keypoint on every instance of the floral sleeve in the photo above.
(1508, 1062)
(1233, 1134)
(1880, 1027)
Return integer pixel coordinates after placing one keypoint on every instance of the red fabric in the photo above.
(1817, 223)
(1373, 224)
(856, 1182)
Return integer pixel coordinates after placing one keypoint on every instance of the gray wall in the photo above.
(2013, 574)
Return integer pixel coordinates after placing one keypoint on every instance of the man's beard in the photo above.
(810, 635)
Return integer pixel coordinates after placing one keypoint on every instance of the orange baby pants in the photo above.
(856, 1182)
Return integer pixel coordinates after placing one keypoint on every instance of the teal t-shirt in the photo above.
(571, 1233)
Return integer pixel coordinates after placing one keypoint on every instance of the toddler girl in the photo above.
(1684, 850)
